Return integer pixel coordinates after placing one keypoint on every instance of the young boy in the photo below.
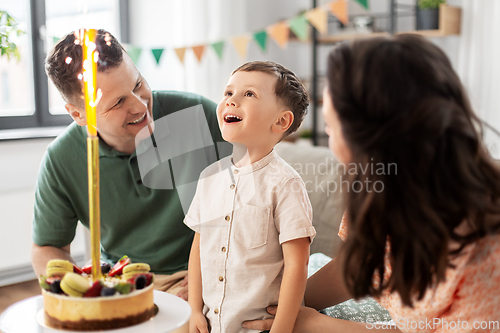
(251, 212)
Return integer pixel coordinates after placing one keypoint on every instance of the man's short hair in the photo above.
(64, 63)
(289, 89)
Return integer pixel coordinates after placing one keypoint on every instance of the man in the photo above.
(136, 220)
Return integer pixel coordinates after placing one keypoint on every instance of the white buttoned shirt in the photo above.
(243, 215)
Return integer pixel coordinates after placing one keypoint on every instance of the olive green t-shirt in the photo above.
(136, 220)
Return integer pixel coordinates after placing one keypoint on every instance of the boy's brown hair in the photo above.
(289, 90)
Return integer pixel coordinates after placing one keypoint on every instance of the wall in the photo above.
(18, 171)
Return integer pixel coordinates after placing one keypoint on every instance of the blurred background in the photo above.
(159, 36)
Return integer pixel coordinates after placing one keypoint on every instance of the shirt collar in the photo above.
(255, 165)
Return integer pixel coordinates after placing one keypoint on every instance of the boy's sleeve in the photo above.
(193, 217)
(293, 212)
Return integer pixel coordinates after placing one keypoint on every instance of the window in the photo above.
(27, 97)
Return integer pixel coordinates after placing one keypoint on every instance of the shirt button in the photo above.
(232, 186)
(228, 217)
(223, 249)
(236, 171)
(216, 311)
(221, 278)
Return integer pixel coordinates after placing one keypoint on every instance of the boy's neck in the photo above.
(243, 156)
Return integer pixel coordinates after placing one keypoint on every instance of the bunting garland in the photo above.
(278, 32)
(241, 45)
(198, 51)
(134, 52)
(157, 54)
(218, 48)
(299, 27)
(363, 3)
(318, 17)
(338, 9)
(261, 39)
(180, 53)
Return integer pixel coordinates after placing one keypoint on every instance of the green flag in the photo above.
(157, 54)
(299, 27)
(134, 52)
(55, 39)
(261, 39)
(363, 3)
(218, 48)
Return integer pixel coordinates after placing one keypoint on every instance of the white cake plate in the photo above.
(27, 317)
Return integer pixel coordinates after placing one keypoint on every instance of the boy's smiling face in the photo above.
(249, 109)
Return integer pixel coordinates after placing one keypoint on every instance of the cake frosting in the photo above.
(95, 313)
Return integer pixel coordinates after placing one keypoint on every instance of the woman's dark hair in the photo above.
(64, 63)
(399, 101)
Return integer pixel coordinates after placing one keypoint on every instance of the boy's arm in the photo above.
(197, 323)
(293, 285)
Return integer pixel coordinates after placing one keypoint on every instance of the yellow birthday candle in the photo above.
(90, 57)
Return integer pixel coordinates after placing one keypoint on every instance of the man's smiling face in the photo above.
(125, 106)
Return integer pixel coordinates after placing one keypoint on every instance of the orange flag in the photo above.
(198, 51)
(241, 45)
(180, 53)
(280, 32)
(318, 17)
(339, 9)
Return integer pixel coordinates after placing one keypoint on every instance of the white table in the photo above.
(27, 317)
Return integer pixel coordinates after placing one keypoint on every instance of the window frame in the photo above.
(42, 118)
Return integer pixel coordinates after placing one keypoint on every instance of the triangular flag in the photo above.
(180, 53)
(261, 39)
(198, 51)
(299, 27)
(318, 17)
(339, 10)
(134, 52)
(157, 54)
(218, 48)
(241, 45)
(363, 3)
(280, 32)
(55, 39)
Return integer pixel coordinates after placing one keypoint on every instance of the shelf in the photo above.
(347, 36)
(449, 24)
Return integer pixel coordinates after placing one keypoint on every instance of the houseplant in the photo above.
(8, 29)
(428, 14)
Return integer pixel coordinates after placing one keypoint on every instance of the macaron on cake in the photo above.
(74, 301)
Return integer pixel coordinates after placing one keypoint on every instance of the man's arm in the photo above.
(41, 255)
(326, 287)
(296, 257)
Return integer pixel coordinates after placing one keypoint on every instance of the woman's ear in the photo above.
(283, 123)
(77, 114)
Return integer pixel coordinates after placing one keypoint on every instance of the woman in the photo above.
(426, 245)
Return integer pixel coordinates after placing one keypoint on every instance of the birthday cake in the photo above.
(121, 298)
